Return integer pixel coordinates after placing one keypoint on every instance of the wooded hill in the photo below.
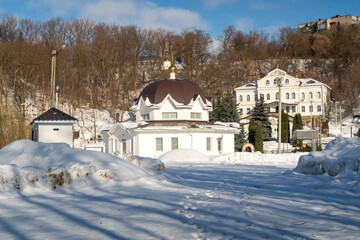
(106, 65)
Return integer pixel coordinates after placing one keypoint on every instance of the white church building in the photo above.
(170, 114)
(306, 96)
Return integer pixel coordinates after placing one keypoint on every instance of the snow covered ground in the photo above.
(236, 196)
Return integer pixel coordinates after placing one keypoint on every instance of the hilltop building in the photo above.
(326, 24)
(306, 96)
(169, 114)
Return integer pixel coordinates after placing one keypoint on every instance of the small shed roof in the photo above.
(53, 114)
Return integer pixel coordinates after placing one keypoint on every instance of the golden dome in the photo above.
(172, 68)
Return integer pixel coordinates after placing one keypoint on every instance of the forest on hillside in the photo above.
(106, 65)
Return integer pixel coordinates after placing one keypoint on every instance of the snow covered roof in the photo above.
(176, 126)
(54, 114)
(311, 82)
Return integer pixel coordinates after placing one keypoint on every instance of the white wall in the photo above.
(197, 141)
(47, 133)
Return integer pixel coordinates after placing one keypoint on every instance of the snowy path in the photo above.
(191, 202)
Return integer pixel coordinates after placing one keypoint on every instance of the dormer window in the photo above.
(195, 115)
(311, 82)
(169, 115)
(145, 117)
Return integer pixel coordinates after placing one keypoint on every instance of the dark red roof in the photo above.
(183, 91)
(54, 114)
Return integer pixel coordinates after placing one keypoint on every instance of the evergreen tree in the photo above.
(240, 139)
(224, 110)
(285, 133)
(297, 124)
(251, 134)
(261, 118)
(259, 142)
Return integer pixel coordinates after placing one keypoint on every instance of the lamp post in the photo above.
(278, 81)
(54, 53)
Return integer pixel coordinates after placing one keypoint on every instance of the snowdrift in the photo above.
(340, 157)
(26, 165)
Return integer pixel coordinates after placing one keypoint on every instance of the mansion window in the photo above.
(208, 144)
(267, 82)
(286, 81)
(302, 108)
(311, 95)
(287, 109)
(303, 95)
(319, 108)
(174, 143)
(241, 111)
(293, 109)
(287, 96)
(318, 95)
(310, 108)
(293, 95)
(145, 116)
(248, 98)
(195, 115)
(159, 144)
(267, 109)
(262, 96)
(248, 110)
(275, 82)
(277, 96)
(268, 96)
(240, 98)
(169, 115)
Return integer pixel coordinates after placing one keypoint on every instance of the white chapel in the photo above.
(170, 114)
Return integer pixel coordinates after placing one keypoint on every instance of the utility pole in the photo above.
(340, 120)
(279, 120)
(54, 53)
(336, 114)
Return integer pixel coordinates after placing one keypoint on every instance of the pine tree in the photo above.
(240, 139)
(261, 118)
(251, 134)
(285, 133)
(224, 110)
(259, 142)
(297, 124)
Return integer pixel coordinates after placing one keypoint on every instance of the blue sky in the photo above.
(213, 16)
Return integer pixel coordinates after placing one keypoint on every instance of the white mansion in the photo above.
(306, 96)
